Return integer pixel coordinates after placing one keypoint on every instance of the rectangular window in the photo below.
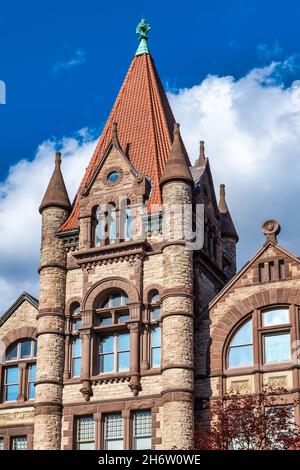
(281, 267)
(19, 443)
(261, 272)
(76, 357)
(114, 353)
(142, 430)
(277, 348)
(11, 383)
(278, 316)
(113, 432)
(155, 347)
(85, 428)
(31, 381)
(1, 443)
(155, 314)
(271, 271)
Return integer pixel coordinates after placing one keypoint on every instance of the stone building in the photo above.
(132, 334)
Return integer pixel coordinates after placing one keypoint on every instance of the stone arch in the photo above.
(105, 286)
(236, 313)
(149, 289)
(19, 333)
(70, 303)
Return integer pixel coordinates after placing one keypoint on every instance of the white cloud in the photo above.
(20, 196)
(69, 58)
(252, 131)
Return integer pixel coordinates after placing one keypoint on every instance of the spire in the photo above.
(227, 225)
(202, 159)
(56, 194)
(142, 29)
(145, 127)
(222, 203)
(176, 167)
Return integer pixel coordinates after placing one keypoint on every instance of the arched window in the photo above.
(240, 352)
(75, 340)
(20, 357)
(112, 335)
(271, 338)
(97, 226)
(155, 331)
(112, 223)
(128, 232)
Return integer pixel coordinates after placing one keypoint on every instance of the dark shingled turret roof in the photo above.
(177, 167)
(227, 226)
(56, 194)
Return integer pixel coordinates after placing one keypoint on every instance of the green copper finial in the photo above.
(142, 29)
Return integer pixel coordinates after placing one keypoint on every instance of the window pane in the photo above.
(76, 325)
(106, 363)
(105, 304)
(123, 361)
(105, 321)
(76, 309)
(143, 443)
(277, 348)
(243, 335)
(107, 344)
(12, 392)
(12, 353)
(240, 356)
(114, 432)
(142, 430)
(128, 224)
(123, 318)
(31, 391)
(155, 357)
(32, 372)
(116, 300)
(85, 433)
(116, 444)
(155, 314)
(77, 347)
(125, 299)
(124, 342)
(19, 443)
(1, 443)
(155, 337)
(76, 367)
(279, 316)
(12, 375)
(34, 348)
(154, 297)
(25, 349)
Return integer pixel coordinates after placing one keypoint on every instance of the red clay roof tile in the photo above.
(145, 124)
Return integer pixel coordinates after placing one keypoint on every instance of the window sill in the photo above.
(16, 404)
(111, 378)
(280, 366)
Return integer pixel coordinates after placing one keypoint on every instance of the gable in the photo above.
(22, 314)
(271, 264)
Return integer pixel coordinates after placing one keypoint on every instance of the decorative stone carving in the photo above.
(271, 228)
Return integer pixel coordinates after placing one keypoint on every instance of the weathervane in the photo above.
(143, 28)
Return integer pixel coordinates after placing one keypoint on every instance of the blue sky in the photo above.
(232, 72)
(38, 40)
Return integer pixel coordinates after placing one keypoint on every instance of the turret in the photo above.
(229, 236)
(54, 208)
(177, 330)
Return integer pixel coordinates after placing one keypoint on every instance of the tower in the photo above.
(54, 208)
(177, 316)
(229, 236)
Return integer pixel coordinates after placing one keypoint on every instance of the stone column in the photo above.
(134, 328)
(177, 327)
(50, 333)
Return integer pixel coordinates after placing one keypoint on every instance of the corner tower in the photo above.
(54, 208)
(177, 316)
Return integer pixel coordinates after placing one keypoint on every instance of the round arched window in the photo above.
(240, 353)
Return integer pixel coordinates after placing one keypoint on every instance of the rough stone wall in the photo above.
(177, 332)
(50, 358)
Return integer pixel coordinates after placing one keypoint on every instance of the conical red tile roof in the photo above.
(145, 127)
